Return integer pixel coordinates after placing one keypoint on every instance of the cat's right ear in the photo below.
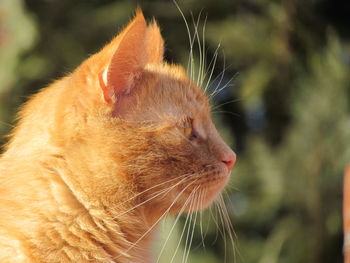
(154, 43)
(125, 67)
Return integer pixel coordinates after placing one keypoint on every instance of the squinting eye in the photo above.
(187, 129)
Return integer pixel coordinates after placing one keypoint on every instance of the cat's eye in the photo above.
(187, 129)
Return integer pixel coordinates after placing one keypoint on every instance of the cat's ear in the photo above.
(127, 62)
(154, 44)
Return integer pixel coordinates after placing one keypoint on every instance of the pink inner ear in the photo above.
(128, 60)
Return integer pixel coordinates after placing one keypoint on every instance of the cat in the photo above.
(100, 156)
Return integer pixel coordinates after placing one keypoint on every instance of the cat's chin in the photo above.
(208, 192)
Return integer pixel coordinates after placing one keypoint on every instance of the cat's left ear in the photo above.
(127, 62)
(139, 45)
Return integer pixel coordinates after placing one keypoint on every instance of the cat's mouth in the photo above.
(194, 191)
(205, 186)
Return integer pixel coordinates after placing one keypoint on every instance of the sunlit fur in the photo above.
(95, 163)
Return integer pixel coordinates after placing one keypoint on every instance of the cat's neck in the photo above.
(107, 227)
(128, 228)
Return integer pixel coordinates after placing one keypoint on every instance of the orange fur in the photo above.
(91, 150)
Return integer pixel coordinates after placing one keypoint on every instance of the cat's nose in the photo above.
(229, 160)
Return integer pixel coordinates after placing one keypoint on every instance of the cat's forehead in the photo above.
(176, 90)
(169, 71)
(174, 80)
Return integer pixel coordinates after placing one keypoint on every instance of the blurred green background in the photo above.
(285, 112)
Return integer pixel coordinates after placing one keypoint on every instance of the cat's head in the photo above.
(151, 121)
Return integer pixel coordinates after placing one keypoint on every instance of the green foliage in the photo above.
(290, 122)
(297, 195)
(17, 34)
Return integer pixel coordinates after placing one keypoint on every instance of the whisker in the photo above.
(187, 28)
(177, 218)
(223, 229)
(211, 65)
(214, 59)
(217, 90)
(188, 231)
(7, 124)
(193, 228)
(182, 233)
(225, 103)
(196, 35)
(204, 51)
(166, 190)
(201, 218)
(227, 112)
(229, 200)
(161, 217)
(154, 186)
(221, 78)
(228, 223)
(190, 62)
(218, 230)
(200, 213)
(217, 227)
(220, 75)
(227, 85)
(208, 221)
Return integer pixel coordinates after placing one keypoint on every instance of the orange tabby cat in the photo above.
(100, 156)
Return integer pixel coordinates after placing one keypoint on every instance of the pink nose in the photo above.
(230, 161)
